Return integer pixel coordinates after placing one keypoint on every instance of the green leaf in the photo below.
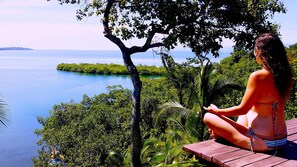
(158, 158)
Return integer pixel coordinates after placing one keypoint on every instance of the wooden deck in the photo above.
(215, 153)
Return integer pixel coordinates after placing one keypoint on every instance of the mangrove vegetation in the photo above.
(113, 69)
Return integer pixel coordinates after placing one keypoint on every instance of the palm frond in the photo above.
(221, 87)
(170, 109)
(186, 134)
(178, 124)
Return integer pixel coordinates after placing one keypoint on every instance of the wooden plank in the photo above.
(221, 159)
(273, 160)
(246, 160)
(289, 163)
(209, 154)
(291, 122)
(292, 137)
(196, 148)
(290, 126)
(292, 131)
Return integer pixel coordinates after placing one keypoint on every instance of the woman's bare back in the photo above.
(260, 117)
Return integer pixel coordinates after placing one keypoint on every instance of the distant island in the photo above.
(15, 48)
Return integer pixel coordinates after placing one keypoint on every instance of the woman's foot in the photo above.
(213, 134)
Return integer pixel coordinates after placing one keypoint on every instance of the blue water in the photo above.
(30, 85)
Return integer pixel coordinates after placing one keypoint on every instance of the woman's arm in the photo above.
(250, 97)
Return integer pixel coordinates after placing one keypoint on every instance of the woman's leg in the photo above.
(242, 120)
(233, 132)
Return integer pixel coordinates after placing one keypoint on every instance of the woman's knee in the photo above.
(209, 117)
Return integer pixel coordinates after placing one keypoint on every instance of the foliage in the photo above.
(168, 152)
(210, 90)
(159, 148)
(238, 66)
(291, 106)
(95, 131)
(200, 25)
(115, 69)
(155, 93)
(184, 79)
(171, 108)
(203, 91)
(86, 132)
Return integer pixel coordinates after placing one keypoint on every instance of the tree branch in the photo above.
(144, 48)
(106, 16)
(147, 44)
(107, 32)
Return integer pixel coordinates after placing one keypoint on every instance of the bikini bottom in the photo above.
(271, 144)
(276, 144)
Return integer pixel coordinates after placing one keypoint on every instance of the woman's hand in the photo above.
(211, 108)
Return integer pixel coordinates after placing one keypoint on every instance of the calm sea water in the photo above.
(30, 85)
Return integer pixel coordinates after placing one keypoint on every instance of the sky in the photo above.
(43, 25)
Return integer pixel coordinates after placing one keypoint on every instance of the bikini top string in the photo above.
(275, 107)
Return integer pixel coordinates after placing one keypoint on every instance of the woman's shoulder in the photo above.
(261, 72)
(261, 76)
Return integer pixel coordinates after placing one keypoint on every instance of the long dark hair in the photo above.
(274, 58)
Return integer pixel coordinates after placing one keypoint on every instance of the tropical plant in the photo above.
(291, 109)
(206, 90)
(209, 92)
(169, 152)
(182, 77)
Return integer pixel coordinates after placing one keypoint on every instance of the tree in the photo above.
(183, 78)
(198, 24)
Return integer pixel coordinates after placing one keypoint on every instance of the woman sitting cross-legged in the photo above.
(261, 123)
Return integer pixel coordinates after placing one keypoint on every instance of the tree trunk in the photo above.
(202, 125)
(137, 84)
(135, 129)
